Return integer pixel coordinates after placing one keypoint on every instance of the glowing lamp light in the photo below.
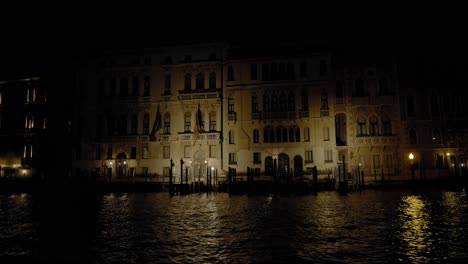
(448, 154)
(125, 162)
(411, 156)
(110, 163)
(212, 168)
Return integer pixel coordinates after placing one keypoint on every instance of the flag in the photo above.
(199, 126)
(157, 126)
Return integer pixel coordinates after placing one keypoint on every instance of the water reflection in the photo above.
(417, 238)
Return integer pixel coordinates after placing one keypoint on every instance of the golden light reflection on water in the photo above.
(415, 234)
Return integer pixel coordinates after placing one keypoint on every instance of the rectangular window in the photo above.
(257, 159)
(306, 134)
(166, 173)
(326, 136)
(213, 151)
(254, 104)
(166, 152)
(231, 137)
(187, 151)
(309, 157)
(232, 158)
(98, 153)
(230, 105)
(145, 152)
(133, 153)
(253, 72)
(328, 156)
(135, 86)
(109, 153)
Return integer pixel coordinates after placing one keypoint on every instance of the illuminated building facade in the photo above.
(23, 126)
(275, 113)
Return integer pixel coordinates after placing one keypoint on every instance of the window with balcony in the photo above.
(212, 121)
(386, 125)
(361, 127)
(188, 82)
(373, 126)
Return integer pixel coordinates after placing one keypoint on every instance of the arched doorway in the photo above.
(121, 165)
(298, 167)
(283, 167)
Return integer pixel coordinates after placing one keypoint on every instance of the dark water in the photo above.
(394, 226)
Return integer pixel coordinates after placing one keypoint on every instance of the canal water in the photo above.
(373, 226)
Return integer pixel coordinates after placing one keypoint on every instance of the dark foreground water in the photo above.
(392, 226)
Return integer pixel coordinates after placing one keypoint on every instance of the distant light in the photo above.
(212, 168)
(125, 162)
(360, 164)
(433, 138)
(24, 172)
(206, 161)
(110, 163)
(411, 156)
(448, 154)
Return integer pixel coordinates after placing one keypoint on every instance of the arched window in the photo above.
(146, 124)
(167, 123)
(188, 82)
(200, 81)
(256, 136)
(291, 134)
(278, 134)
(285, 135)
(266, 135)
(361, 126)
(212, 121)
(436, 136)
(412, 136)
(187, 121)
(386, 125)
(212, 80)
(298, 135)
(373, 126)
(266, 103)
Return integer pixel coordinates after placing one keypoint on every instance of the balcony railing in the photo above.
(324, 112)
(382, 140)
(278, 115)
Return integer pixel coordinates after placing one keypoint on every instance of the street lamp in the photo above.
(411, 157)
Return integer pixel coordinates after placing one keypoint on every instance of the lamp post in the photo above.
(449, 163)
(411, 157)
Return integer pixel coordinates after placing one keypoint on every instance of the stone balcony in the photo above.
(376, 141)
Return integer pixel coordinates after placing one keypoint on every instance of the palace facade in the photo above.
(274, 112)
